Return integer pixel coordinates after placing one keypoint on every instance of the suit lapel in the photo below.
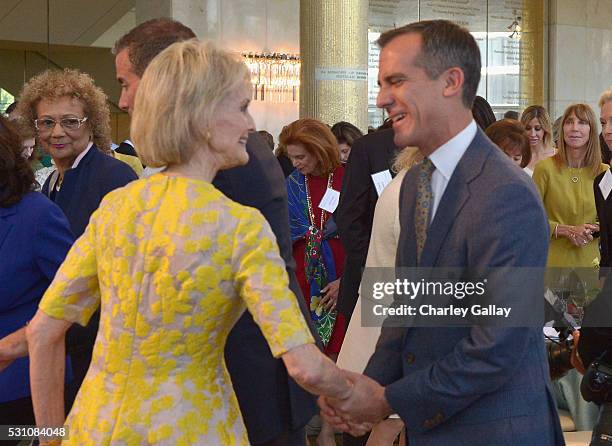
(455, 197)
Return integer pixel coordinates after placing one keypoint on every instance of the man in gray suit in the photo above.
(465, 206)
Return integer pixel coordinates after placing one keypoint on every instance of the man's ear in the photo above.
(453, 82)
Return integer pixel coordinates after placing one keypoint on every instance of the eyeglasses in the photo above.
(48, 124)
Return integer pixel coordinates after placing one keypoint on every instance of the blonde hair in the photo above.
(52, 85)
(540, 113)
(177, 98)
(592, 158)
(605, 97)
(406, 159)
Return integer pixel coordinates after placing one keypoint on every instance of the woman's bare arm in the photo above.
(315, 372)
(46, 346)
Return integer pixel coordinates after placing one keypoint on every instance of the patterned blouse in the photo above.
(173, 264)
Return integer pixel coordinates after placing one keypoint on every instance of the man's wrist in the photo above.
(385, 407)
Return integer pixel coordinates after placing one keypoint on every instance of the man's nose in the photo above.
(123, 102)
(383, 99)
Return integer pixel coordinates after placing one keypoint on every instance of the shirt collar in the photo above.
(81, 155)
(447, 156)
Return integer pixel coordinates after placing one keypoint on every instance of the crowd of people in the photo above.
(197, 285)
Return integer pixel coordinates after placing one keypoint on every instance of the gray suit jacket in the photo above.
(271, 403)
(478, 385)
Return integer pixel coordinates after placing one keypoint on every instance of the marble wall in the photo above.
(580, 52)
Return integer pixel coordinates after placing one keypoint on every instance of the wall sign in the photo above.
(340, 74)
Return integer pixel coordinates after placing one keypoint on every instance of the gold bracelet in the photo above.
(556, 227)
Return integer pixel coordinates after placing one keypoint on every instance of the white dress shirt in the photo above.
(445, 158)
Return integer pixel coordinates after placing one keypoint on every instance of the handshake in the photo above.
(356, 412)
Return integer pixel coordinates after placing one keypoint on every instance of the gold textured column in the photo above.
(334, 49)
(532, 53)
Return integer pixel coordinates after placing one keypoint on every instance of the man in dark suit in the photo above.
(370, 154)
(274, 408)
(478, 384)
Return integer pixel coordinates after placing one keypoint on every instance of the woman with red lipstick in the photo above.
(313, 190)
(539, 131)
(70, 117)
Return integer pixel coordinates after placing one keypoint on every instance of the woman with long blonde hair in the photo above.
(539, 131)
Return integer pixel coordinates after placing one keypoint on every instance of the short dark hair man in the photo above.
(477, 385)
(274, 408)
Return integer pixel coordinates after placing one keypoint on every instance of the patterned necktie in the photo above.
(423, 204)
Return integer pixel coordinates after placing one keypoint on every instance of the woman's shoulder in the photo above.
(107, 164)
(37, 210)
(546, 164)
(545, 168)
(36, 202)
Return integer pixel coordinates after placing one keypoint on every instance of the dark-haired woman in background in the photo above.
(346, 134)
(34, 239)
(509, 135)
(483, 113)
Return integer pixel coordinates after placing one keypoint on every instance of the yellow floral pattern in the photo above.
(173, 263)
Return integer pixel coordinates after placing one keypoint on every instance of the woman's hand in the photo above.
(13, 346)
(580, 235)
(330, 295)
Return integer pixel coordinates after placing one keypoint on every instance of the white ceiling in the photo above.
(71, 22)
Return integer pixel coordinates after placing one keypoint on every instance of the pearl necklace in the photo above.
(311, 215)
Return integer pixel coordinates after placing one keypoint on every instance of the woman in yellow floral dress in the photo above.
(173, 263)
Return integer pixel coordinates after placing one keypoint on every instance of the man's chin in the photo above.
(401, 140)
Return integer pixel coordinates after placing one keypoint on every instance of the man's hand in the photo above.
(365, 404)
(339, 423)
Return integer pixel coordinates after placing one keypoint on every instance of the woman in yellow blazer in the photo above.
(565, 182)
